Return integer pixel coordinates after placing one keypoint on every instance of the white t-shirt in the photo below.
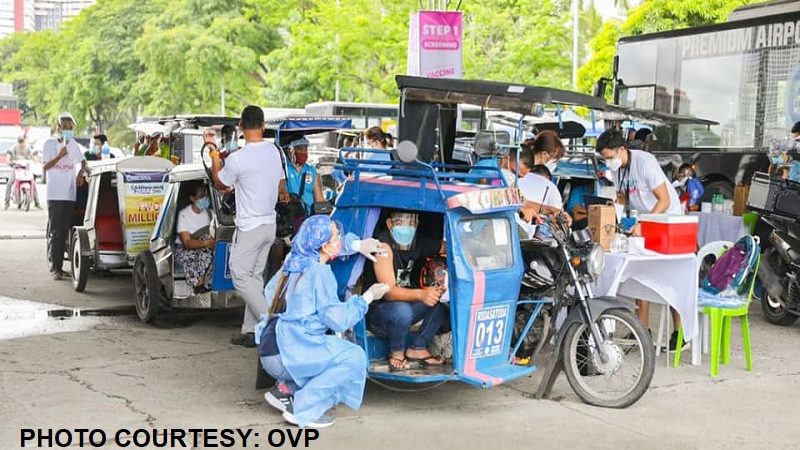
(640, 179)
(61, 177)
(190, 221)
(254, 172)
(533, 188)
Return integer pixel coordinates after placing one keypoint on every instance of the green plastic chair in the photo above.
(721, 321)
(750, 220)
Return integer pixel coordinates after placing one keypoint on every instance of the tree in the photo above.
(650, 17)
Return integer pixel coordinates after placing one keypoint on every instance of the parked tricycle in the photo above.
(124, 197)
(160, 281)
(607, 355)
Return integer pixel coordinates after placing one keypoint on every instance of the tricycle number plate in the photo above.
(489, 332)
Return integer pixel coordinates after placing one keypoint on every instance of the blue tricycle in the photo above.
(507, 298)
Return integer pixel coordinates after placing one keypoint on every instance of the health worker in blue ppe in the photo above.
(315, 370)
(194, 248)
(407, 302)
(303, 180)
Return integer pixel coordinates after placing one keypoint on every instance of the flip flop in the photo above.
(425, 362)
(393, 368)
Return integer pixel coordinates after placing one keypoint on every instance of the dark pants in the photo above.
(393, 319)
(60, 215)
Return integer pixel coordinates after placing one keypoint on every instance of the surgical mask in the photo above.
(551, 165)
(778, 159)
(231, 146)
(67, 135)
(614, 163)
(93, 148)
(300, 159)
(203, 203)
(403, 235)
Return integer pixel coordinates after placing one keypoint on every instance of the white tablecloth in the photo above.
(670, 279)
(719, 227)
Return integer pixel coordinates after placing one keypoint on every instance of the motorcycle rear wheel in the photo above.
(626, 343)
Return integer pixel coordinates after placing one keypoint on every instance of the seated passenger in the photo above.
(405, 304)
(195, 249)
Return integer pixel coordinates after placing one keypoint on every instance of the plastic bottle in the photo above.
(717, 202)
(106, 151)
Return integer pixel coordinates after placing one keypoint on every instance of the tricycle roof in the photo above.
(518, 98)
(130, 164)
(187, 172)
(422, 187)
(201, 120)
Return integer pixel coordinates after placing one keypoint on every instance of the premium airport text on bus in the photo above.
(743, 74)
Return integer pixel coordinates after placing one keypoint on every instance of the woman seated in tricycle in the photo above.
(195, 247)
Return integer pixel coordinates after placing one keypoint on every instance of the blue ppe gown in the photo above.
(327, 369)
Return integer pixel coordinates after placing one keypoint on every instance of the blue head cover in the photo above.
(313, 234)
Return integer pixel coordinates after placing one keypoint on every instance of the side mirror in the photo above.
(407, 152)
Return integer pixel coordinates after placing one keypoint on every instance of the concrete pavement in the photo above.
(115, 372)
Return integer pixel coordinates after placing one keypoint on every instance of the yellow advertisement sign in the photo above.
(144, 194)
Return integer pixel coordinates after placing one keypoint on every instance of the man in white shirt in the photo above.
(640, 182)
(641, 186)
(256, 174)
(61, 154)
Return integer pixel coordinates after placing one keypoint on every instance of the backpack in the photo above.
(732, 269)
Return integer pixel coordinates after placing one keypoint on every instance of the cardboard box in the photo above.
(602, 224)
(740, 194)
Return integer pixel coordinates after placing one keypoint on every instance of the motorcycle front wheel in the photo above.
(623, 376)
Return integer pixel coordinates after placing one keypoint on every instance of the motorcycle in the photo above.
(779, 272)
(615, 373)
(24, 184)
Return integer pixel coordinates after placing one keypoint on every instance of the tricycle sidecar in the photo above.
(124, 197)
(159, 279)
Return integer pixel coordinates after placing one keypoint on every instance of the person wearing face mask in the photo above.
(689, 187)
(640, 182)
(302, 179)
(540, 193)
(98, 148)
(20, 151)
(406, 303)
(642, 186)
(195, 247)
(61, 154)
(315, 370)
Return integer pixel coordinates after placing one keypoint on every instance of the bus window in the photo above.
(729, 100)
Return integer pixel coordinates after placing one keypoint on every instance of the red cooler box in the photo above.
(665, 233)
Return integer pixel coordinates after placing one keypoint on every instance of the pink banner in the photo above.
(435, 39)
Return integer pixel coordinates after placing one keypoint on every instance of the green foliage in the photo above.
(120, 59)
(650, 17)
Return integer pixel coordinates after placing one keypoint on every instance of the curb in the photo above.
(22, 236)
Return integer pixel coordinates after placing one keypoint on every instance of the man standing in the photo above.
(256, 174)
(303, 180)
(60, 156)
(641, 186)
(20, 151)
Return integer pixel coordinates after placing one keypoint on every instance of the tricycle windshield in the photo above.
(486, 243)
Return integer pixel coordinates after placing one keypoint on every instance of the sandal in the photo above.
(426, 361)
(401, 367)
